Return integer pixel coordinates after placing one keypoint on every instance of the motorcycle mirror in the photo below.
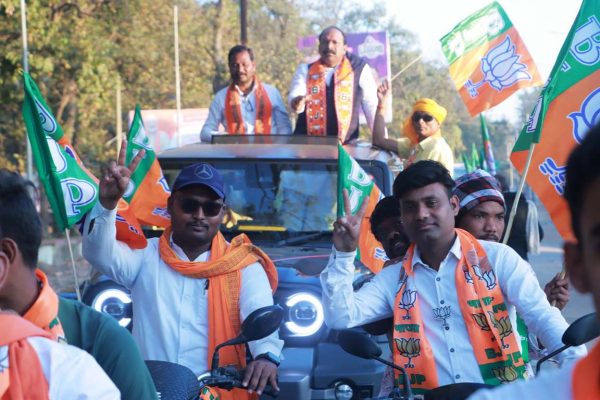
(359, 345)
(579, 332)
(582, 330)
(262, 322)
(259, 324)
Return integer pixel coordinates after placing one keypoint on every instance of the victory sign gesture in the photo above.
(116, 178)
(347, 228)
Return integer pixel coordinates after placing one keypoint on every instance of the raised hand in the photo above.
(116, 178)
(382, 92)
(346, 229)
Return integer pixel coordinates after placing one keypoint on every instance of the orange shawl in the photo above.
(44, 311)
(233, 110)
(586, 376)
(316, 105)
(483, 310)
(21, 374)
(223, 271)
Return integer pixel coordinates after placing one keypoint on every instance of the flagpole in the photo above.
(119, 135)
(177, 78)
(513, 210)
(406, 67)
(73, 264)
(26, 69)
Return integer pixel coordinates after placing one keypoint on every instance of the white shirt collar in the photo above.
(181, 254)
(455, 251)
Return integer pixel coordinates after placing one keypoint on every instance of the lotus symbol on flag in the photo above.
(587, 117)
(506, 374)
(408, 301)
(489, 277)
(481, 321)
(503, 327)
(409, 348)
(500, 68)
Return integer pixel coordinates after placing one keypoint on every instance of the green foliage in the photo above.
(80, 49)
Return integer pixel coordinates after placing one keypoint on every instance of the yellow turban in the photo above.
(430, 107)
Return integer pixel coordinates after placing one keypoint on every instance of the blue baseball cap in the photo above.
(200, 174)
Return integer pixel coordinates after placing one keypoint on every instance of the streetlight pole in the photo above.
(244, 21)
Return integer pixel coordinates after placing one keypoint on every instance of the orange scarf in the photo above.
(44, 311)
(21, 374)
(233, 110)
(586, 376)
(223, 270)
(483, 310)
(316, 105)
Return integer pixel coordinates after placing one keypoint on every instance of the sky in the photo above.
(542, 24)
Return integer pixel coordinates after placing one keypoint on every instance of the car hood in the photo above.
(306, 261)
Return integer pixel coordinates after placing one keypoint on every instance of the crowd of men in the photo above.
(459, 305)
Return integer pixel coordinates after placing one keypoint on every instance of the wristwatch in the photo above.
(269, 356)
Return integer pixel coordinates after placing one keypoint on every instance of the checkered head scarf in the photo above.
(475, 188)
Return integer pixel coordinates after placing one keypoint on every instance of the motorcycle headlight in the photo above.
(115, 303)
(305, 314)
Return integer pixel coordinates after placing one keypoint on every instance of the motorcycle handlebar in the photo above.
(229, 378)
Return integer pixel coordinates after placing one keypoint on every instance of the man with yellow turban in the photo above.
(422, 134)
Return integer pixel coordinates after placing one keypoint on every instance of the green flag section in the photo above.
(360, 188)
(71, 191)
(488, 154)
(567, 108)
(487, 58)
(148, 190)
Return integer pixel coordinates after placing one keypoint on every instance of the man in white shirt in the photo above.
(451, 321)
(190, 289)
(582, 192)
(246, 106)
(34, 366)
(328, 93)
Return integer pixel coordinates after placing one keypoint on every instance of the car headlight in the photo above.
(115, 303)
(305, 314)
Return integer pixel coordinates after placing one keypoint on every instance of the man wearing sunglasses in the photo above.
(422, 134)
(190, 288)
(247, 105)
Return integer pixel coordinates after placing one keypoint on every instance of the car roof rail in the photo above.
(273, 139)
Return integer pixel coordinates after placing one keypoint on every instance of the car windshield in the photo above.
(272, 196)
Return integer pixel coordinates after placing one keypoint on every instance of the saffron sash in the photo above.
(44, 311)
(233, 110)
(316, 104)
(484, 313)
(21, 374)
(223, 270)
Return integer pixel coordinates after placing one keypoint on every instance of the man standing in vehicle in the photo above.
(453, 307)
(190, 289)
(25, 289)
(582, 192)
(246, 106)
(422, 132)
(328, 93)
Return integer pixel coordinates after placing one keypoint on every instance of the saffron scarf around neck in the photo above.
(43, 313)
(21, 374)
(484, 313)
(585, 382)
(233, 110)
(223, 270)
(316, 105)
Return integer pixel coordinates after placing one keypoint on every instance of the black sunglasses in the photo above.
(417, 116)
(209, 209)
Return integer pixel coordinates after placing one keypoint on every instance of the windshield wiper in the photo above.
(302, 238)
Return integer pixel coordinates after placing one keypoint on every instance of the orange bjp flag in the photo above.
(488, 59)
(568, 107)
(148, 191)
(360, 188)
